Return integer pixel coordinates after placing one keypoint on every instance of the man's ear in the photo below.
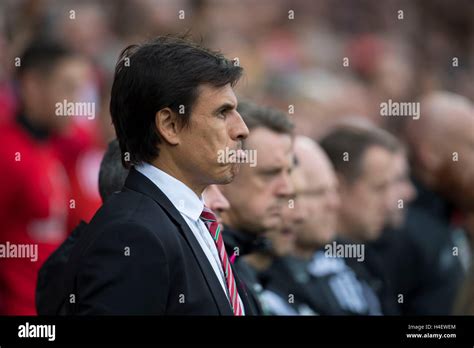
(430, 159)
(166, 124)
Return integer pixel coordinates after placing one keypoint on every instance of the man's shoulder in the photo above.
(130, 211)
(425, 232)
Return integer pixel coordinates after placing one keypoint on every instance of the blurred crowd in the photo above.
(400, 209)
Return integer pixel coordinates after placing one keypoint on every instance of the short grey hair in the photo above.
(256, 116)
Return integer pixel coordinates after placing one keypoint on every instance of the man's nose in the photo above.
(285, 186)
(238, 129)
(221, 205)
(299, 214)
(409, 192)
(218, 202)
(334, 201)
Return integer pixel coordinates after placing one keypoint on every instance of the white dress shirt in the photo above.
(190, 206)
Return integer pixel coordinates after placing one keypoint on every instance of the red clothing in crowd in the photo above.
(41, 197)
(80, 155)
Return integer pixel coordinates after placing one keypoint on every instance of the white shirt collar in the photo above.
(182, 197)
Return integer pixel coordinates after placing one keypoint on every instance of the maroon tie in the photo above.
(215, 229)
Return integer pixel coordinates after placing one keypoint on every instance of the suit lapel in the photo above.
(138, 182)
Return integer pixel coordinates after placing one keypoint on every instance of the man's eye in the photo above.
(271, 173)
(380, 187)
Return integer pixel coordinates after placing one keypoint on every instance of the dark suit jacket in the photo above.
(143, 259)
(246, 243)
(430, 275)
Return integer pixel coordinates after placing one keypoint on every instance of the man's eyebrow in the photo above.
(225, 106)
(270, 169)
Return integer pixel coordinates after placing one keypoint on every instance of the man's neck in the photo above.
(424, 177)
(345, 232)
(304, 253)
(244, 241)
(259, 261)
(171, 169)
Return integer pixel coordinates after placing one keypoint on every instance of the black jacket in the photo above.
(50, 287)
(332, 286)
(419, 257)
(242, 244)
(287, 279)
(139, 257)
(374, 272)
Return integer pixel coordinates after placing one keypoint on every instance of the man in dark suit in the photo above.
(363, 157)
(154, 248)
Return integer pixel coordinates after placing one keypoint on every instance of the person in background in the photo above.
(390, 244)
(259, 193)
(441, 144)
(274, 298)
(112, 173)
(324, 284)
(35, 191)
(362, 158)
(50, 287)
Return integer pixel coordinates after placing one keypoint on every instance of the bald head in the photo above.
(442, 145)
(312, 159)
(444, 116)
(318, 197)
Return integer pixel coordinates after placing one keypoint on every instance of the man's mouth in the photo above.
(287, 233)
(241, 155)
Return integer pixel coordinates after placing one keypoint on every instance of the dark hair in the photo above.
(165, 72)
(43, 55)
(355, 141)
(112, 174)
(256, 116)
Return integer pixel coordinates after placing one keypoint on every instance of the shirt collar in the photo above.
(182, 197)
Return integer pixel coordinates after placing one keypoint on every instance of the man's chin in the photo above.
(226, 175)
(328, 235)
(223, 180)
(373, 234)
(273, 223)
(234, 169)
